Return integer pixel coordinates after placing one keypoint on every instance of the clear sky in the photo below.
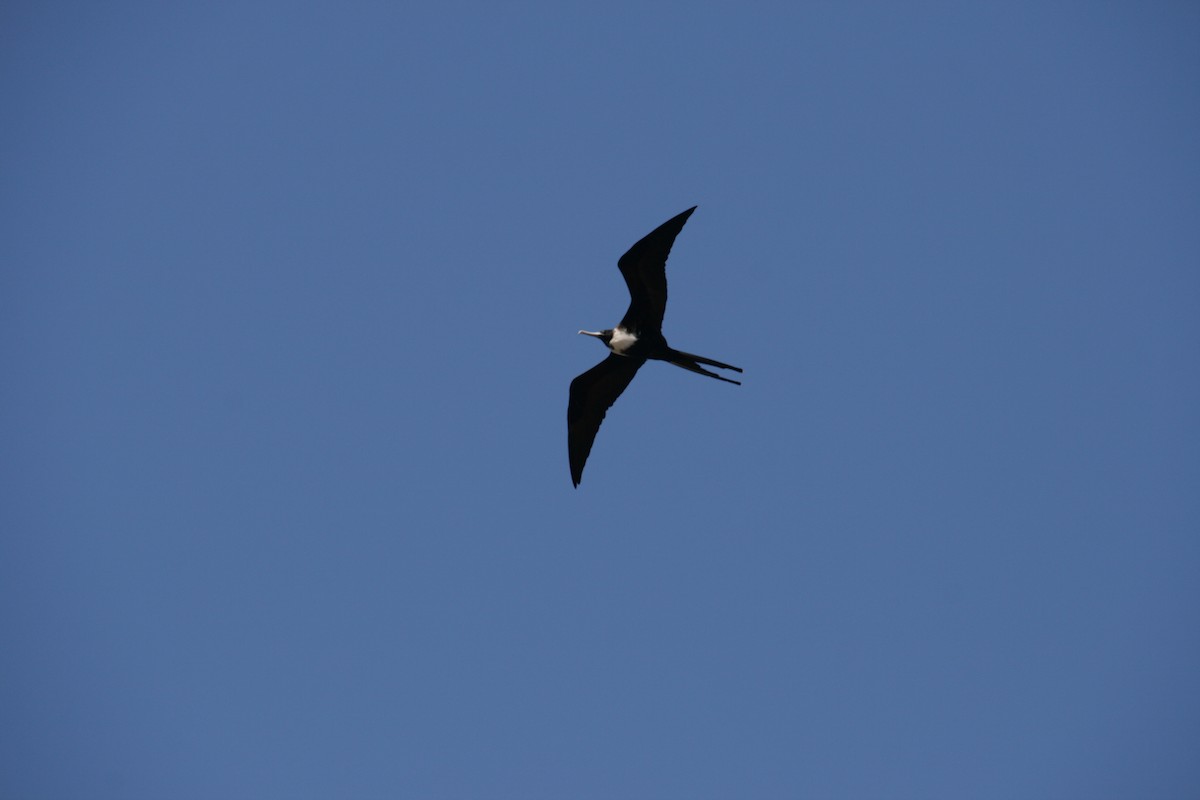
(288, 311)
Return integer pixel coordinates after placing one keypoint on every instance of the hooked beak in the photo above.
(590, 333)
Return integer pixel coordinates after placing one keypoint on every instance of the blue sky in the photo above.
(287, 319)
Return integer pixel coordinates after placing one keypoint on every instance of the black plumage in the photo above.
(636, 339)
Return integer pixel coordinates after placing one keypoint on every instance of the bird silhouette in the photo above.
(637, 339)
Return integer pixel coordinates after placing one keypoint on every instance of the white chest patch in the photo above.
(622, 340)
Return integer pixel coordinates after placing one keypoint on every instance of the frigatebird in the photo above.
(637, 338)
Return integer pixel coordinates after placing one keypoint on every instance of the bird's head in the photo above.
(604, 336)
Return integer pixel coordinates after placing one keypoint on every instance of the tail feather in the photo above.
(709, 361)
(692, 364)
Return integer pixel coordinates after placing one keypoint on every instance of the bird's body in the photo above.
(637, 339)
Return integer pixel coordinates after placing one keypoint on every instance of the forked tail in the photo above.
(692, 364)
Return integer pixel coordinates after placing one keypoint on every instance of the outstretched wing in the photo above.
(645, 271)
(592, 394)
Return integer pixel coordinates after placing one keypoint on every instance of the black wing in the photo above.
(592, 394)
(645, 271)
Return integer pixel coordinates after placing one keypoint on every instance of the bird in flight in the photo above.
(637, 338)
